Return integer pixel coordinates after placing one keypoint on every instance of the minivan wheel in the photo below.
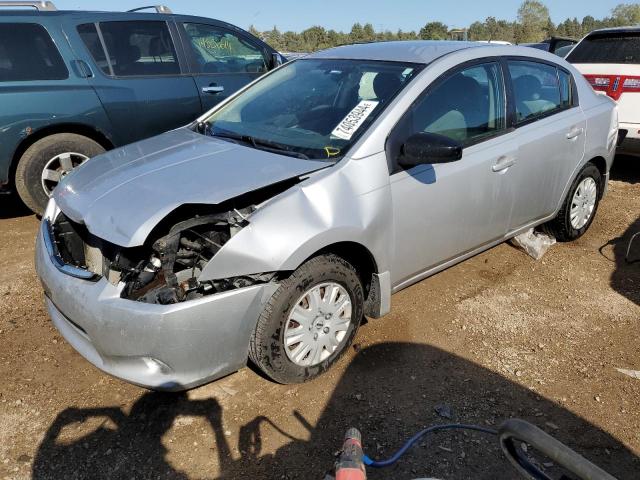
(580, 206)
(45, 163)
(309, 322)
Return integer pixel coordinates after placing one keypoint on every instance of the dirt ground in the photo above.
(498, 336)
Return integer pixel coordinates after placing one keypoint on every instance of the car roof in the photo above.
(629, 29)
(412, 51)
(426, 51)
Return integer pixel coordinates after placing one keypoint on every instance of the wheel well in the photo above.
(76, 128)
(601, 164)
(357, 255)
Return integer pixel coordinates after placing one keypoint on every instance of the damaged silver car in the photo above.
(270, 227)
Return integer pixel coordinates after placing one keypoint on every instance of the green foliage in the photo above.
(533, 25)
(626, 14)
(434, 31)
(533, 22)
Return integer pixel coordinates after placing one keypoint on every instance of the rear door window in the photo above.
(28, 53)
(89, 34)
(536, 89)
(134, 48)
(217, 50)
(614, 47)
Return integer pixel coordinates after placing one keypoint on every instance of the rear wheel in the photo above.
(309, 321)
(45, 163)
(580, 206)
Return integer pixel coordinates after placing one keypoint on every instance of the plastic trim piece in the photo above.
(56, 259)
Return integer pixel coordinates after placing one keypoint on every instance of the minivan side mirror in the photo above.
(427, 148)
(276, 60)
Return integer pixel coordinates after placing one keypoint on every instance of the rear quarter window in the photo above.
(27, 53)
(619, 47)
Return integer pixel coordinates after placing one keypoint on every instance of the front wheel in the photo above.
(580, 206)
(309, 321)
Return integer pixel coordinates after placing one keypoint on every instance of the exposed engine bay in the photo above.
(170, 274)
(166, 269)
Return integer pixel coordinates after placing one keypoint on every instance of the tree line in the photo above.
(533, 24)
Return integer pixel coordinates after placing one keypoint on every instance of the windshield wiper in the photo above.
(259, 144)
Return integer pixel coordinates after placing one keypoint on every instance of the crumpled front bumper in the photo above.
(162, 347)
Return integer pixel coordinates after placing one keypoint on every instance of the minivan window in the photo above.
(89, 34)
(468, 106)
(611, 47)
(217, 50)
(135, 48)
(27, 52)
(536, 89)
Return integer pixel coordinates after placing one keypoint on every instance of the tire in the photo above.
(267, 348)
(561, 226)
(29, 183)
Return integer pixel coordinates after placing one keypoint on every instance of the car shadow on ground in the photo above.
(626, 169)
(12, 207)
(389, 391)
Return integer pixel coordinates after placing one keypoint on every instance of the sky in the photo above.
(341, 14)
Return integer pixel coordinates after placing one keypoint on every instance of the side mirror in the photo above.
(427, 148)
(276, 60)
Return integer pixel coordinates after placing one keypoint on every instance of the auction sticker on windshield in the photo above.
(356, 117)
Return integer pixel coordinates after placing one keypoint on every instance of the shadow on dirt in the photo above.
(12, 207)
(626, 252)
(389, 391)
(626, 169)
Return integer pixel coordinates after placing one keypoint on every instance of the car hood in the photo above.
(121, 195)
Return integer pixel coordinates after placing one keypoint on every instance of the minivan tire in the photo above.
(267, 345)
(28, 178)
(561, 226)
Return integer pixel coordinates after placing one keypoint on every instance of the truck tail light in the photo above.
(614, 85)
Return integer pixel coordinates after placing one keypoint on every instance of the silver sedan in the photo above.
(267, 229)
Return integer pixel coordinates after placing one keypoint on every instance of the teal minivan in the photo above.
(74, 83)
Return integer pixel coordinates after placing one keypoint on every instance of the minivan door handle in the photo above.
(82, 69)
(503, 163)
(213, 89)
(575, 133)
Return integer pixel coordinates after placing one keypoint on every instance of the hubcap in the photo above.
(317, 324)
(58, 167)
(583, 203)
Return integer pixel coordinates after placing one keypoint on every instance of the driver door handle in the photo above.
(503, 163)
(575, 133)
(213, 89)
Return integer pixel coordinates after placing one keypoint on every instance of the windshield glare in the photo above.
(312, 108)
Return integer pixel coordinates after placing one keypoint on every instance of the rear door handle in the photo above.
(213, 89)
(503, 163)
(82, 69)
(575, 133)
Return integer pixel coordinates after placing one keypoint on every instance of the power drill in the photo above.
(350, 465)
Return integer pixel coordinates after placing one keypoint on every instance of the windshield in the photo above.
(312, 108)
(610, 47)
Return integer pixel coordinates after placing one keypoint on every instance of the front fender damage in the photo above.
(171, 273)
(167, 268)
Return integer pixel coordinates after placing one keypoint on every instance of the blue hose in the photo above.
(436, 428)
